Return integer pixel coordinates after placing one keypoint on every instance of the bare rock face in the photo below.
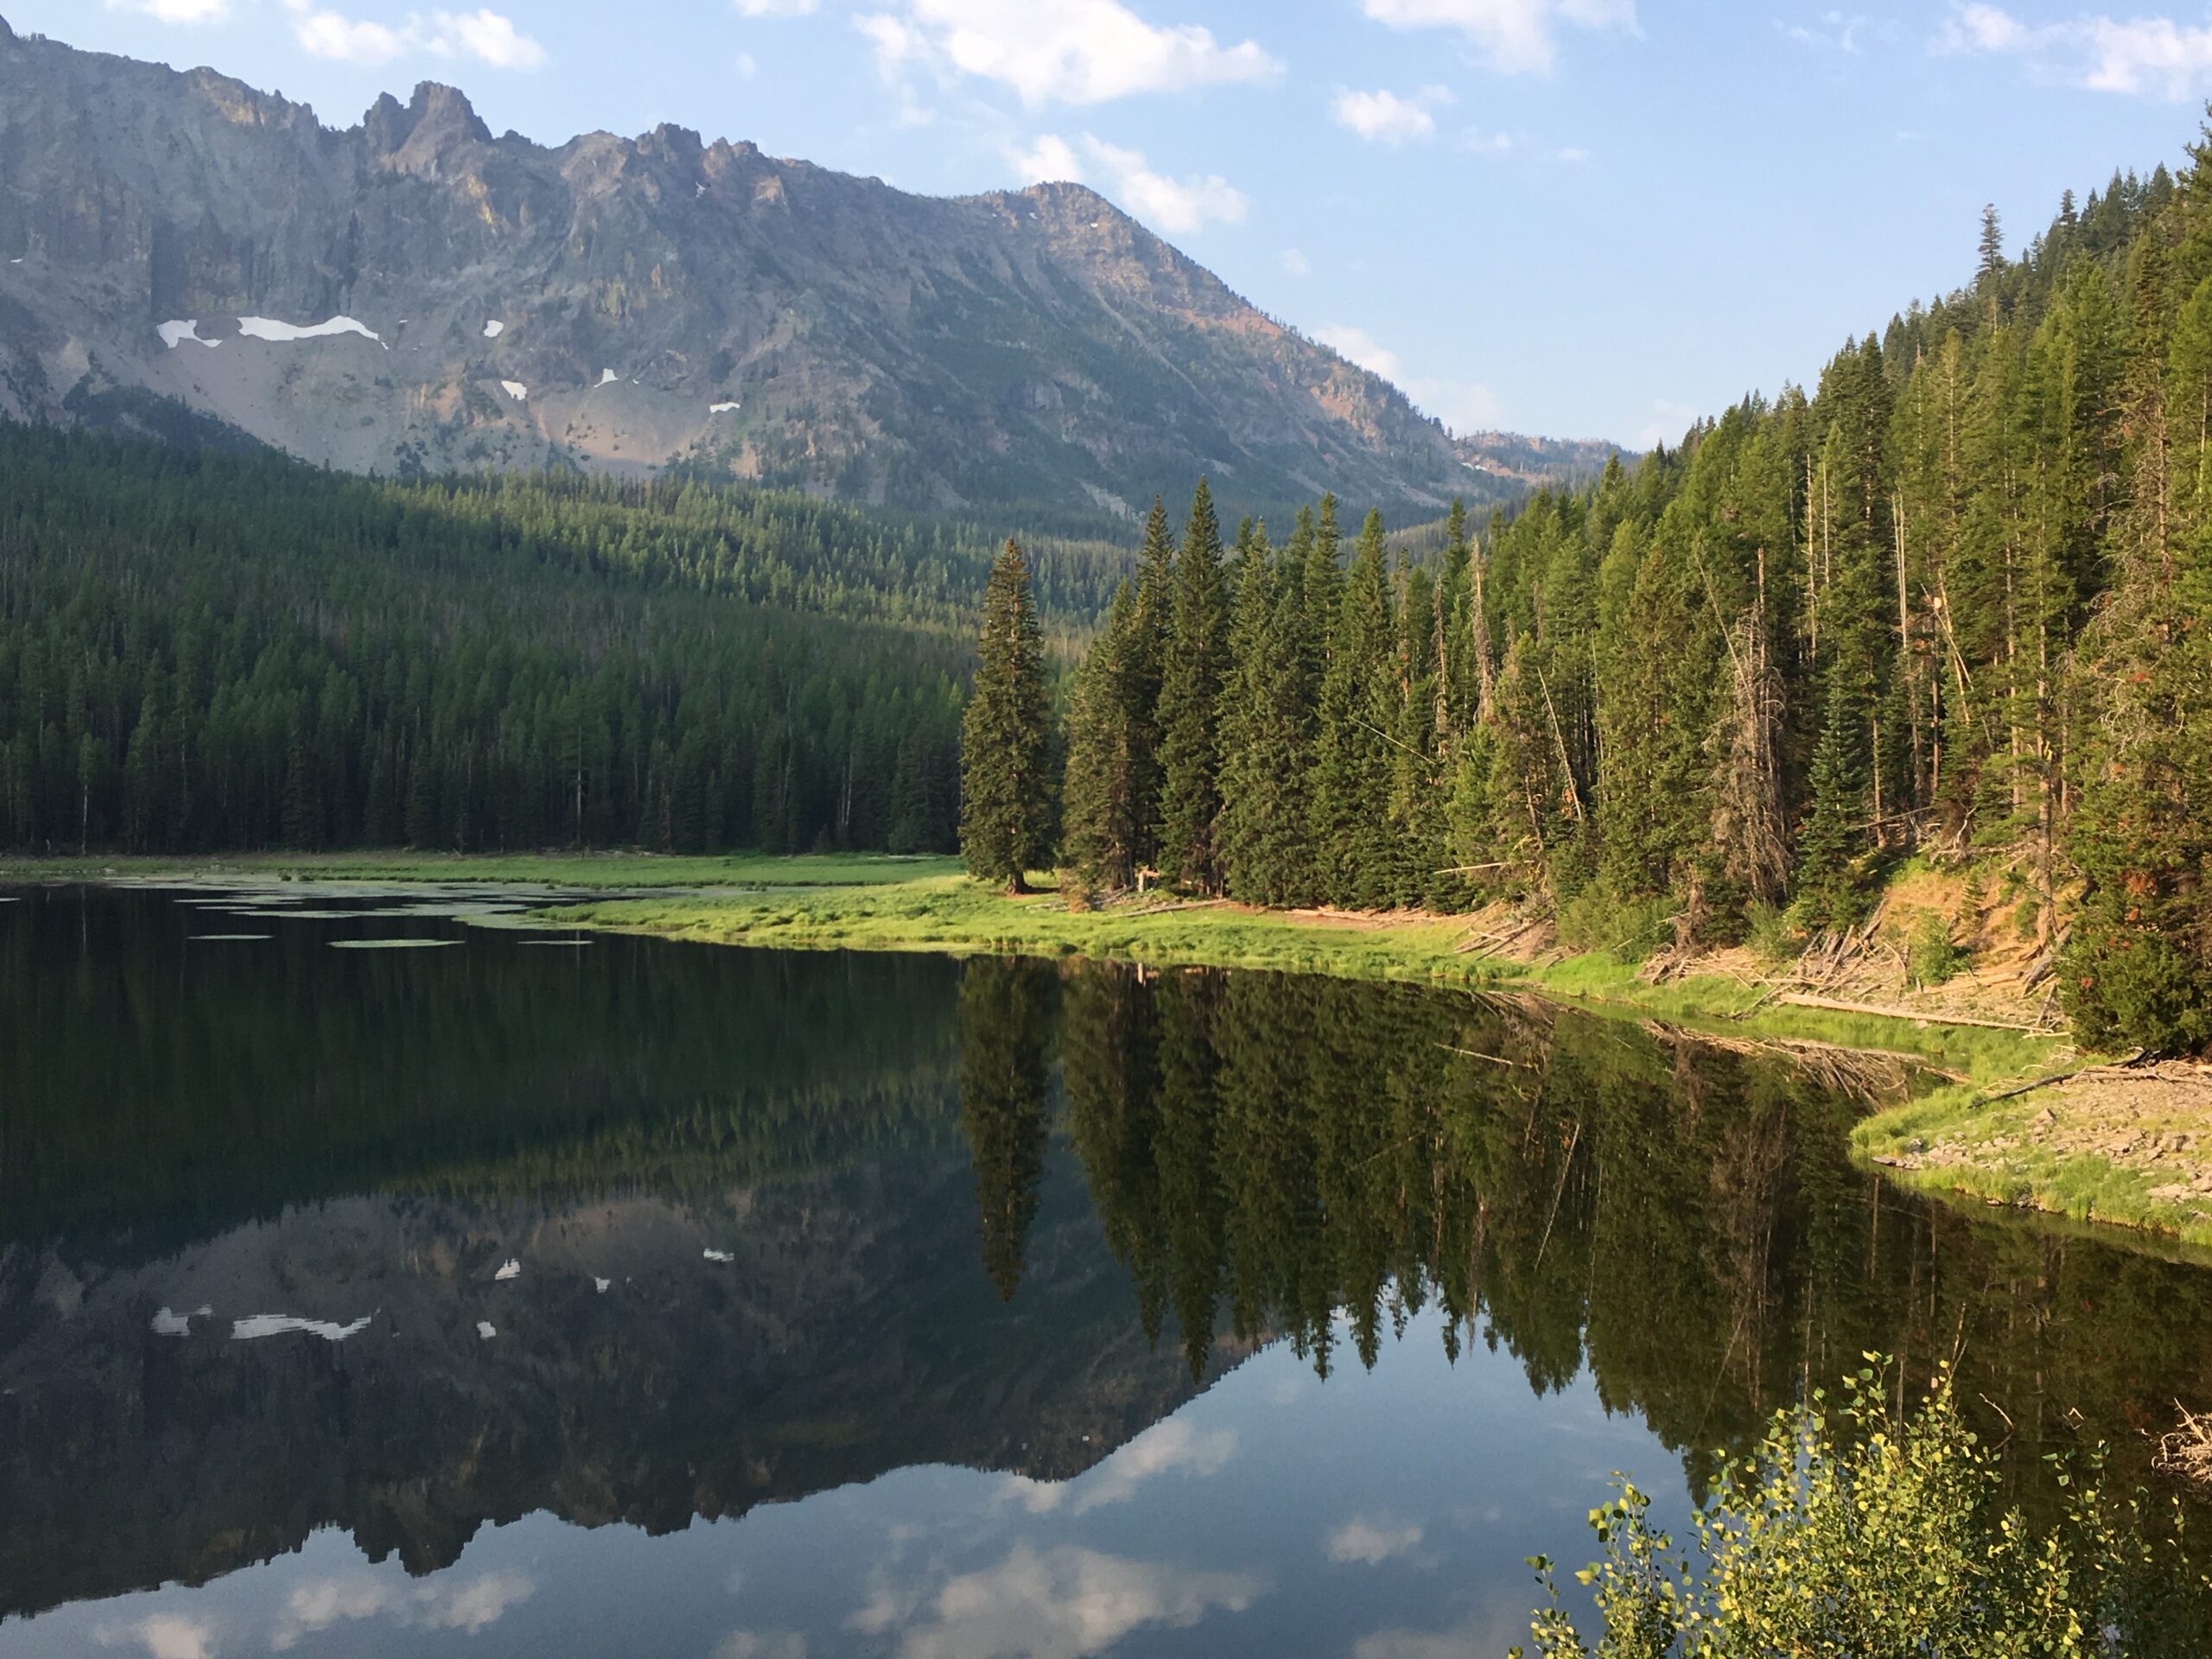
(624, 303)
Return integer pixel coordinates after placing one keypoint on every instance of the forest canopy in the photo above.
(204, 652)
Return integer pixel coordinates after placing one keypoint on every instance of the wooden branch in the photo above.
(1833, 1006)
(2054, 1080)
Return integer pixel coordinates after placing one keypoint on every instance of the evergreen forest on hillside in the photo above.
(1952, 599)
(203, 651)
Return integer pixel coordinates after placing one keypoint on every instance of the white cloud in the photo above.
(1832, 30)
(472, 1606)
(1058, 51)
(1463, 405)
(1168, 203)
(1370, 1542)
(747, 67)
(1170, 1447)
(176, 11)
(2154, 57)
(1296, 263)
(1478, 142)
(1355, 344)
(1514, 36)
(485, 35)
(1051, 158)
(774, 8)
(164, 1635)
(1382, 117)
(1065, 1604)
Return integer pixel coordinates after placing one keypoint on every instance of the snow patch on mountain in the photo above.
(285, 333)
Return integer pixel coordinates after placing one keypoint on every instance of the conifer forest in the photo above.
(1951, 597)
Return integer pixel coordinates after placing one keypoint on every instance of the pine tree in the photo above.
(1101, 793)
(1416, 796)
(1006, 794)
(1190, 700)
(1829, 890)
(1144, 666)
(1351, 786)
(1252, 795)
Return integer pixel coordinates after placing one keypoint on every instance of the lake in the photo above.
(509, 1293)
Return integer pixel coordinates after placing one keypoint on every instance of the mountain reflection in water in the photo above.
(1055, 1308)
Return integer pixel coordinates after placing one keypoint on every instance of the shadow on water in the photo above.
(784, 1223)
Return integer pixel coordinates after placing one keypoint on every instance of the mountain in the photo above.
(414, 294)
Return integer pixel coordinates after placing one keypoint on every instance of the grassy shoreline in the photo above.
(861, 903)
(952, 915)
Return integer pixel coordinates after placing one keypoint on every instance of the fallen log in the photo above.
(1834, 1005)
(2055, 1079)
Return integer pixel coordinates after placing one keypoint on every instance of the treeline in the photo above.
(201, 652)
(1952, 600)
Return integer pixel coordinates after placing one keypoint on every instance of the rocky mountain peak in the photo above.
(438, 121)
(629, 303)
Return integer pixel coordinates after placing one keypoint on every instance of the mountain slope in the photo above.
(626, 303)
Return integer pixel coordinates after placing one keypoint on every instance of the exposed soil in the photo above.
(1999, 973)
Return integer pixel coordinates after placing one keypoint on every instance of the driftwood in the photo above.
(2055, 1079)
(1499, 941)
(2187, 1452)
(1798, 999)
(1162, 910)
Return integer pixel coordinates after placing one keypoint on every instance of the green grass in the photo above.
(950, 913)
(1995, 1159)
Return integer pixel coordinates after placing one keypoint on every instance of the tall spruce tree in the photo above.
(1190, 704)
(1100, 834)
(1006, 820)
(1250, 797)
(1351, 785)
(1145, 662)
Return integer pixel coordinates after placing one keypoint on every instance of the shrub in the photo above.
(1880, 1539)
(2131, 988)
(1768, 933)
(1629, 930)
(1930, 957)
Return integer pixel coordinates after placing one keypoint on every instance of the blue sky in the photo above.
(1582, 217)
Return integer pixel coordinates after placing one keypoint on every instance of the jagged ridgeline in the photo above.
(1952, 602)
(203, 650)
(411, 293)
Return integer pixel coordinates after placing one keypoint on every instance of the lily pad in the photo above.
(390, 945)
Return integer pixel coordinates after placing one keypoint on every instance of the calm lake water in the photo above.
(517, 1296)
